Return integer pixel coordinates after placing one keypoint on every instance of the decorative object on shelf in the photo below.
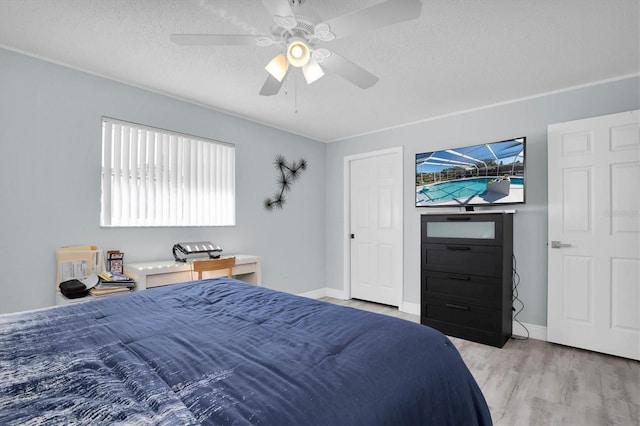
(115, 258)
(288, 175)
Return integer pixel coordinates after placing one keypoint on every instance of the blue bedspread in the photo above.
(224, 352)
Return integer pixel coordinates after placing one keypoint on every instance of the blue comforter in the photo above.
(224, 352)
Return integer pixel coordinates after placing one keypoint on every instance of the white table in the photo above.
(158, 273)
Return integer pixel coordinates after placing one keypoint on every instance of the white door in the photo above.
(594, 234)
(375, 232)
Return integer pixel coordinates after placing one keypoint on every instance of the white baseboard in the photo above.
(538, 332)
(315, 294)
(336, 294)
(410, 308)
(324, 292)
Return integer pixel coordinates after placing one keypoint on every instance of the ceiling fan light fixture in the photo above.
(312, 71)
(298, 52)
(278, 67)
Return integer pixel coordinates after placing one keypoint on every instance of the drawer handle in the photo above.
(462, 308)
(459, 277)
(458, 218)
(458, 248)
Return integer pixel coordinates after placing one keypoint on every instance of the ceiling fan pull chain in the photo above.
(295, 93)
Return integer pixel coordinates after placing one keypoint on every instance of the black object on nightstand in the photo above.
(466, 275)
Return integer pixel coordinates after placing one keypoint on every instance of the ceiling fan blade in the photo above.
(380, 15)
(271, 86)
(349, 71)
(215, 39)
(281, 8)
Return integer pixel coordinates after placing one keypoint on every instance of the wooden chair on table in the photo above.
(201, 266)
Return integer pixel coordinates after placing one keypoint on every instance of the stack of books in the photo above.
(112, 283)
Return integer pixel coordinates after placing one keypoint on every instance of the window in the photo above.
(154, 177)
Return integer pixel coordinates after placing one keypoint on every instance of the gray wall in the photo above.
(524, 118)
(50, 139)
(50, 180)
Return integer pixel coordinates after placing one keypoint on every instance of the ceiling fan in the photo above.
(300, 40)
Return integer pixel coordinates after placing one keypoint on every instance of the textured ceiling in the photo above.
(459, 55)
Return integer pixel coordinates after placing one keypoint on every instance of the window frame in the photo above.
(164, 178)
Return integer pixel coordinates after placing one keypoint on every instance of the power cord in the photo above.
(516, 300)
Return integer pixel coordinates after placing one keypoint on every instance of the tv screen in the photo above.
(477, 175)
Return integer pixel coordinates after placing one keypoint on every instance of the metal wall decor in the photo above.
(288, 175)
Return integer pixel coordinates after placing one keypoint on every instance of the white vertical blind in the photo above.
(154, 177)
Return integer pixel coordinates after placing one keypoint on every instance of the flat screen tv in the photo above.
(478, 175)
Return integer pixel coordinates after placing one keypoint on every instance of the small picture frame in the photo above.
(115, 260)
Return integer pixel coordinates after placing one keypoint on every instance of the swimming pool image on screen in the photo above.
(475, 175)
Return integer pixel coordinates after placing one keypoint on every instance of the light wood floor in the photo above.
(533, 382)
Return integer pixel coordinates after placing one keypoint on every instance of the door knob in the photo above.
(558, 244)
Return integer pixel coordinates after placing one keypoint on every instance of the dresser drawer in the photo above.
(462, 314)
(463, 259)
(481, 229)
(484, 291)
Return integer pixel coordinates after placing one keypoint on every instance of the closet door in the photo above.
(376, 227)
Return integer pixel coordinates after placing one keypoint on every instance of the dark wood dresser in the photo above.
(466, 288)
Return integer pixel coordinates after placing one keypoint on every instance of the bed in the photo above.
(225, 352)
